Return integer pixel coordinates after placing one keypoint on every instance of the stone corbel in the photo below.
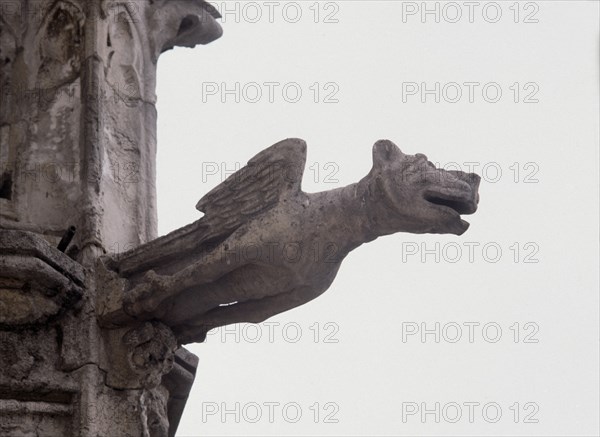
(139, 356)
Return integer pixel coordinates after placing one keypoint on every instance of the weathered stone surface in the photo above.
(264, 246)
(139, 356)
(78, 116)
(37, 282)
(77, 148)
(61, 373)
(21, 418)
(36, 398)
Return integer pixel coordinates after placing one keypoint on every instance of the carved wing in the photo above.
(273, 174)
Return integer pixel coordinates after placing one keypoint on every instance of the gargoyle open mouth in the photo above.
(460, 203)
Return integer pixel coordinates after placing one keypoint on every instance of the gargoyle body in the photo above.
(264, 246)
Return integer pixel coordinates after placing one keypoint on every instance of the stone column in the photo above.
(78, 116)
(77, 148)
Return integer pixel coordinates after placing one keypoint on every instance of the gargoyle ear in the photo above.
(384, 151)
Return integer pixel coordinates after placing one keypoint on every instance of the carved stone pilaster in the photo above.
(39, 288)
(77, 148)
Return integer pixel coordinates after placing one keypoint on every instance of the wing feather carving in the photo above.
(267, 178)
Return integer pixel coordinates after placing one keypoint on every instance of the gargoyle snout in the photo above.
(198, 29)
(472, 180)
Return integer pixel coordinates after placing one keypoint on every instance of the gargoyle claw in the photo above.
(146, 297)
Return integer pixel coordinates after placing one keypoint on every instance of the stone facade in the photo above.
(78, 116)
(77, 149)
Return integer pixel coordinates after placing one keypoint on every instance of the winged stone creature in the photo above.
(264, 246)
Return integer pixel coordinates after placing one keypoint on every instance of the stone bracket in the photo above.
(37, 282)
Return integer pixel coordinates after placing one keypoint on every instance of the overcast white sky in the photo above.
(353, 362)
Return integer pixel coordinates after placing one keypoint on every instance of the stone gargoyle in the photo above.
(264, 246)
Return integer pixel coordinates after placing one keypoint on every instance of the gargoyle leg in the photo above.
(208, 269)
(146, 297)
(252, 311)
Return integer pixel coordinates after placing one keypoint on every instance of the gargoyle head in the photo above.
(409, 194)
